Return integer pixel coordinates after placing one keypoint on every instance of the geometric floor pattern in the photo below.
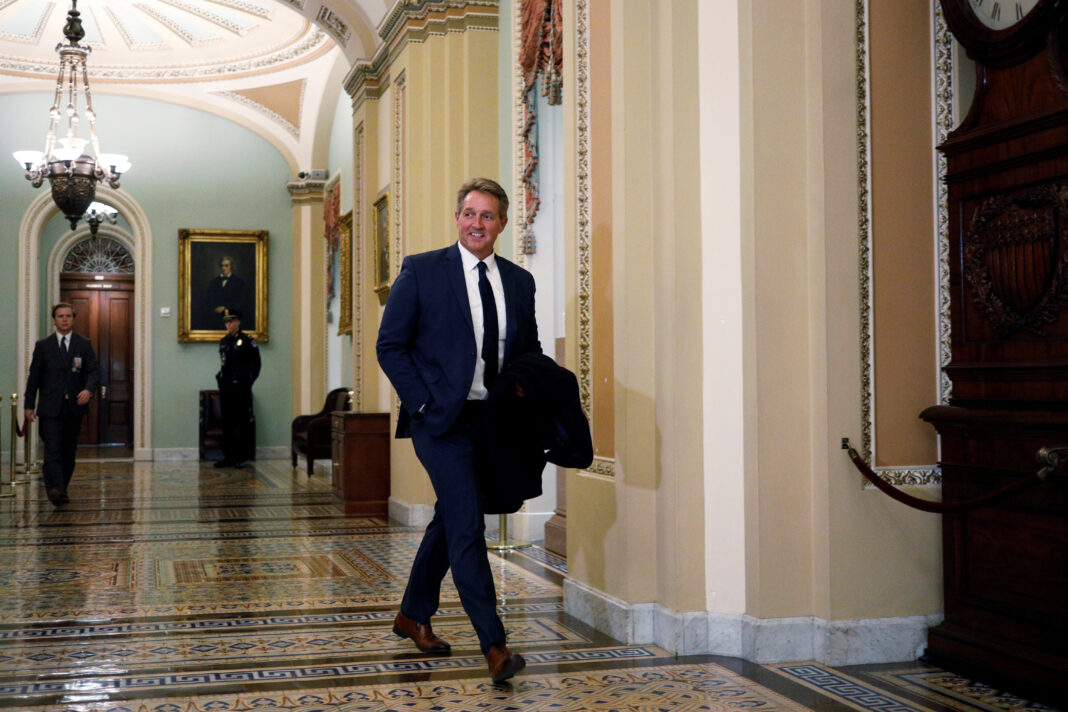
(175, 587)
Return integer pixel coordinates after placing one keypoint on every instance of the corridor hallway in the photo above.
(174, 586)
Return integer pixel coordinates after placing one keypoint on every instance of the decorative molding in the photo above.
(761, 640)
(867, 365)
(314, 43)
(397, 180)
(333, 24)
(271, 114)
(604, 467)
(127, 36)
(945, 119)
(358, 272)
(249, 8)
(415, 22)
(917, 474)
(174, 26)
(35, 35)
(212, 17)
(519, 188)
(434, 17)
(308, 190)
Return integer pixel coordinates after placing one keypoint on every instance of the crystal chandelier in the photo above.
(72, 172)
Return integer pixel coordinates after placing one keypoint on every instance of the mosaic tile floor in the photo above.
(174, 587)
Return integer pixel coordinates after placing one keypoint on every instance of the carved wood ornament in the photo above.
(1015, 259)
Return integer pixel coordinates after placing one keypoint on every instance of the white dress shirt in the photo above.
(470, 262)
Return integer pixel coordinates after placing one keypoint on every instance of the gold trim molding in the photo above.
(942, 92)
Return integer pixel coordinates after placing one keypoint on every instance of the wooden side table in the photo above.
(360, 453)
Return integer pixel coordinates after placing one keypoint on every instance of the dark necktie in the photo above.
(63, 346)
(489, 325)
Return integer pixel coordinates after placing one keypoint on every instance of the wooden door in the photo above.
(104, 305)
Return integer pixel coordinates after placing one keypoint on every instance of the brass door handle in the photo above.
(103, 392)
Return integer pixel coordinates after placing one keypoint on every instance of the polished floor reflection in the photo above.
(174, 587)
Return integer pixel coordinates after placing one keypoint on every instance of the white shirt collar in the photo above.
(470, 260)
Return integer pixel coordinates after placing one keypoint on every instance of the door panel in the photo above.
(104, 307)
(116, 421)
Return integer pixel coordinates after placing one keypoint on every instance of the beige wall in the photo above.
(787, 527)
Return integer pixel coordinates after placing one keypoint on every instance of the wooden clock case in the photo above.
(1006, 566)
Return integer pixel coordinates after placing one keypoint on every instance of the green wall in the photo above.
(190, 169)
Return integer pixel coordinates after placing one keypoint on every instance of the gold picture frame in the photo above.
(381, 247)
(344, 226)
(201, 282)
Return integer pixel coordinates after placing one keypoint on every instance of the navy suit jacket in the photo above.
(426, 343)
(53, 376)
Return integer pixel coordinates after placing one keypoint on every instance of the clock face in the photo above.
(1000, 14)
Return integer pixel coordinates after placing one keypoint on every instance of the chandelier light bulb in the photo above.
(29, 159)
(70, 147)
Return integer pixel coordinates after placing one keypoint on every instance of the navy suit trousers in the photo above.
(60, 437)
(455, 537)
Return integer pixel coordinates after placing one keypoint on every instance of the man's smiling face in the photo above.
(479, 222)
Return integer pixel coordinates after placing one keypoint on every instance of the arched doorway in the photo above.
(138, 241)
(98, 278)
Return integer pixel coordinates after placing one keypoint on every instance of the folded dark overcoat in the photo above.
(546, 424)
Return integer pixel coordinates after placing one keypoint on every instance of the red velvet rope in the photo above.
(926, 505)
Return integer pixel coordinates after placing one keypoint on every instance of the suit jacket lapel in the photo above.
(454, 274)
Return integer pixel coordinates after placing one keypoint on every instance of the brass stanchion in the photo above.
(6, 476)
(15, 468)
(29, 450)
(20, 471)
(503, 542)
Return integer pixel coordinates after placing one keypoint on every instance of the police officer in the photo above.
(239, 356)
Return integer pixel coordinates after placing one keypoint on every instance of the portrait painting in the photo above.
(221, 272)
(381, 246)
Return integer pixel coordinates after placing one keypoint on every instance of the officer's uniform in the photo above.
(239, 358)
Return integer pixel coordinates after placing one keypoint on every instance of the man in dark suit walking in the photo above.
(453, 318)
(65, 373)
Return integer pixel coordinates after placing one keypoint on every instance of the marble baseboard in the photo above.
(189, 454)
(411, 515)
(176, 454)
(771, 640)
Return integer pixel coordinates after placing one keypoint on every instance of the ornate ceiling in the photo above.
(272, 65)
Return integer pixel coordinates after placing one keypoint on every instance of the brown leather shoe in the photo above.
(421, 634)
(502, 663)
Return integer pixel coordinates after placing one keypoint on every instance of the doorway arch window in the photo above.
(99, 254)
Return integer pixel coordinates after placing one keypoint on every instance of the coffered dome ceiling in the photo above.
(270, 64)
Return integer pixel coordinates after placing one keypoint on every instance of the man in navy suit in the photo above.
(64, 371)
(454, 317)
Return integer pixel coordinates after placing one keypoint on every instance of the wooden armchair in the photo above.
(311, 433)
